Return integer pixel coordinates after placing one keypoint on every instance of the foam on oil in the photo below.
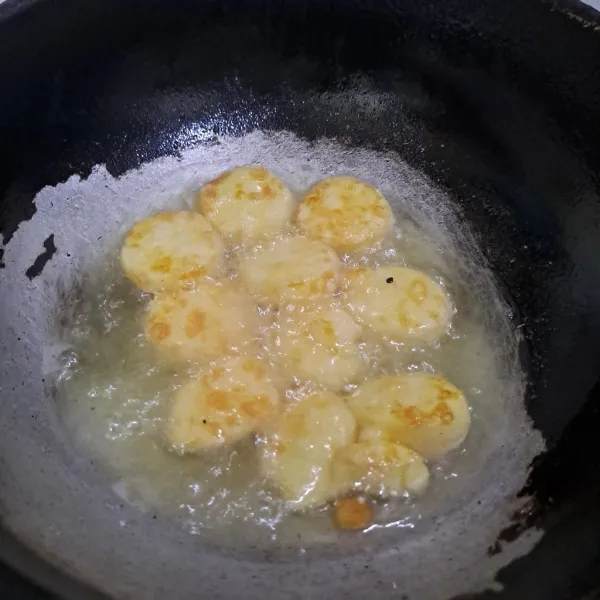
(113, 388)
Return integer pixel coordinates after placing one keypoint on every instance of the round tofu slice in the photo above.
(246, 203)
(203, 324)
(292, 269)
(319, 345)
(300, 444)
(401, 304)
(344, 213)
(222, 406)
(380, 469)
(422, 411)
(171, 250)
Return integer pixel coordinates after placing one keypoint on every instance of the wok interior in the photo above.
(508, 145)
(487, 363)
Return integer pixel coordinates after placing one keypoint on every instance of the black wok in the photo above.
(497, 103)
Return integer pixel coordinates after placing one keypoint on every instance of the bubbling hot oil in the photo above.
(114, 390)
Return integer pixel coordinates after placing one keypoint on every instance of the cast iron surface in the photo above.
(498, 102)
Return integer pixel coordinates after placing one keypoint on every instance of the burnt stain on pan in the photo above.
(42, 260)
(563, 487)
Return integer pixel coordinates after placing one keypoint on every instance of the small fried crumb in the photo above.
(352, 513)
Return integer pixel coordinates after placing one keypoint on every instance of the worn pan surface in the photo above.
(495, 105)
